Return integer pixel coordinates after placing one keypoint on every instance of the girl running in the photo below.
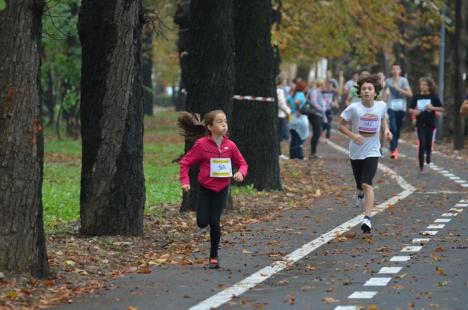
(424, 107)
(366, 117)
(216, 154)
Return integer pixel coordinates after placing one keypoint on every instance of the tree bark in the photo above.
(22, 240)
(209, 75)
(147, 71)
(112, 182)
(254, 126)
(459, 69)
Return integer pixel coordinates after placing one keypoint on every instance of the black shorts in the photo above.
(364, 170)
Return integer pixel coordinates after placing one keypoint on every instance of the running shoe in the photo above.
(366, 225)
(214, 263)
(395, 154)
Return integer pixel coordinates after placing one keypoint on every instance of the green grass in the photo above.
(62, 169)
(2, 4)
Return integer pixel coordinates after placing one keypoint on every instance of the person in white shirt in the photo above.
(283, 114)
(366, 117)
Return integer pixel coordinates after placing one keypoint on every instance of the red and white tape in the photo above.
(252, 98)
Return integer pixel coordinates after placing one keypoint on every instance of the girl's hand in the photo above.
(429, 107)
(415, 112)
(186, 187)
(358, 139)
(238, 177)
(388, 135)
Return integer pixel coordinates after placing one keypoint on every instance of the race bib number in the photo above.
(422, 104)
(368, 124)
(220, 168)
(397, 104)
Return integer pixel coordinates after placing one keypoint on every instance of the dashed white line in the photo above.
(429, 232)
(411, 248)
(400, 258)
(436, 226)
(389, 270)
(377, 282)
(450, 214)
(345, 308)
(442, 220)
(362, 295)
(420, 240)
(456, 209)
(461, 205)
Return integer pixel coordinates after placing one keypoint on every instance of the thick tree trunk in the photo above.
(22, 240)
(459, 68)
(255, 128)
(112, 181)
(210, 67)
(147, 71)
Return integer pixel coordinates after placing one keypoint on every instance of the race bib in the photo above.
(422, 104)
(397, 104)
(220, 168)
(368, 125)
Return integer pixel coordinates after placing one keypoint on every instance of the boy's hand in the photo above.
(358, 139)
(388, 135)
(238, 177)
(186, 187)
(429, 107)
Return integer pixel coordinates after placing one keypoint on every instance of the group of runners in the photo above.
(375, 111)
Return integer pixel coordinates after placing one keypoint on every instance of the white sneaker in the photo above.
(360, 201)
(284, 157)
(366, 226)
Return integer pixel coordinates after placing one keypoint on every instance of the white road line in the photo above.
(411, 248)
(460, 181)
(456, 209)
(420, 240)
(463, 200)
(454, 178)
(435, 226)
(429, 232)
(258, 277)
(377, 282)
(448, 175)
(345, 308)
(464, 184)
(450, 214)
(400, 258)
(362, 295)
(442, 220)
(461, 205)
(442, 192)
(390, 270)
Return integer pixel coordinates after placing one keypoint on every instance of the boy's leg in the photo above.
(393, 129)
(368, 172)
(356, 165)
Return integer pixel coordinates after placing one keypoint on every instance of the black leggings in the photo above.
(316, 123)
(425, 144)
(209, 211)
(364, 170)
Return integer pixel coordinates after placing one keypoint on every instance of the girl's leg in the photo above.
(218, 204)
(316, 123)
(429, 141)
(422, 145)
(204, 203)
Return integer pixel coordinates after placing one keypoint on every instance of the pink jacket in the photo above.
(201, 152)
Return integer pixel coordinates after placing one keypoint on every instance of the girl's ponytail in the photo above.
(192, 127)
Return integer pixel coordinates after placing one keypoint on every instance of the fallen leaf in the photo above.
(440, 271)
(329, 300)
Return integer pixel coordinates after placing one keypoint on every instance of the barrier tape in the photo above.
(252, 98)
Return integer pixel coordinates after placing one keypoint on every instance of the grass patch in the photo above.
(62, 169)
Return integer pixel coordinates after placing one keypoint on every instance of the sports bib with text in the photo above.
(368, 124)
(422, 104)
(397, 104)
(220, 168)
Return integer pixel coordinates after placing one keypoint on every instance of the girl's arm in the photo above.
(193, 156)
(239, 162)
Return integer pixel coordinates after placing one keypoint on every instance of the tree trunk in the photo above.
(254, 126)
(147, 71)
(112, 182)
(459, 69)
(210, 68)
(182, 18)
(49, 99)
(22, 240)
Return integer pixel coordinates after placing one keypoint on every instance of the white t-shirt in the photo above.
(366, 122)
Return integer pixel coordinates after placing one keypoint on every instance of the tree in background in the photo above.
(254, 123)
(61, 66)
(210, 69)
(112, 182)
(22, 240)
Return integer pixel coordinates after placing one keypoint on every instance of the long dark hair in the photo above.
(430, 82)
(192, 127)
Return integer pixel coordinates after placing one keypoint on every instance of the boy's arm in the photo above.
(343, 128)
